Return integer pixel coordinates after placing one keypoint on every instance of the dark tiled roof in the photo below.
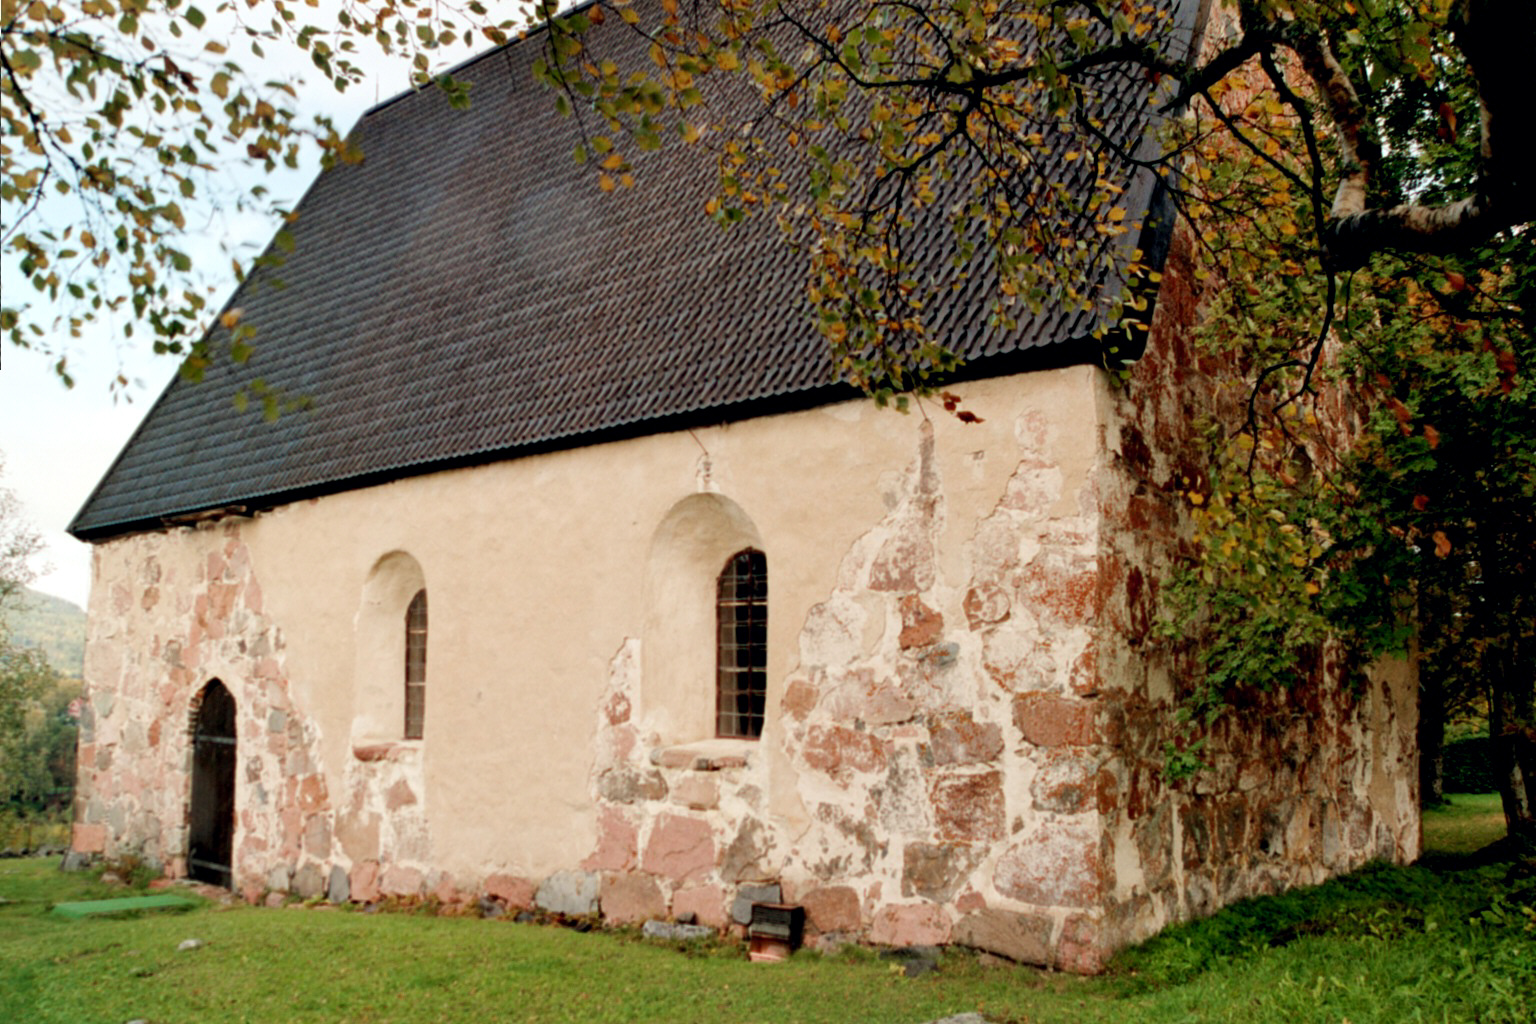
(467, 294)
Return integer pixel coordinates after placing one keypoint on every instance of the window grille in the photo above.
(415, 665)
(741, 605)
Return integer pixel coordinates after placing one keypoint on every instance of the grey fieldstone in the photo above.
(135, 738)
(934, 871)
(746, 895)
(187, 945)
(75, 861)
(945, 655)
(628, 785)
(568, 892)
(308, 882)
(668, 930)
(743, 858)
(340, 888)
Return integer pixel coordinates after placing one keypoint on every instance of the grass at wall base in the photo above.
(1453, 939)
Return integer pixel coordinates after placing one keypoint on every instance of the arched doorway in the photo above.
(211, 822)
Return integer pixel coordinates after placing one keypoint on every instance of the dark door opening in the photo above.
(211, 827)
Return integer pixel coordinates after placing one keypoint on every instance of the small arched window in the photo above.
(415, 665)
(741, 613)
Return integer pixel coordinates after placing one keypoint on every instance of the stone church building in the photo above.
(578, 582)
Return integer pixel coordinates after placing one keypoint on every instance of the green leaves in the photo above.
(115, 115)
(1366, 504)
(25, 61)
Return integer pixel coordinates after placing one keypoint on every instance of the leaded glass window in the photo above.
(416, 665)
(741, 607)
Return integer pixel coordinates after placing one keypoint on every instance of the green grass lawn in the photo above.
(31, 831)
(1383, 945)
(1465, 823)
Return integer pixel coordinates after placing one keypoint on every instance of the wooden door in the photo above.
(211, 826)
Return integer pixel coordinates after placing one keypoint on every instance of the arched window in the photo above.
(415, 665)
(741, 614)
(390, 643)
(682, 643)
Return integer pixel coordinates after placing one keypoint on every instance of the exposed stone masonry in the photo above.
(1303, 784)
(188, 614)
(939, 737)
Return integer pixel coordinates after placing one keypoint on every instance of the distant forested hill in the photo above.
(55, 625)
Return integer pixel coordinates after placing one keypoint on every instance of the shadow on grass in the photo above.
(1434, 902)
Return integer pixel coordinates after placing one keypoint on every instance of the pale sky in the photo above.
(57, 443)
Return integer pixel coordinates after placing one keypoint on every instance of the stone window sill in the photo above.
(386, 750)
(705, 755)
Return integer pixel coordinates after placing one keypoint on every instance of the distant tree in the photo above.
(19, 546)
(24, 673)
(53, 624)
(1452, 688)
(37, 762)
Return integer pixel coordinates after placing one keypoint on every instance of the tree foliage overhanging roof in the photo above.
(467, 293)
